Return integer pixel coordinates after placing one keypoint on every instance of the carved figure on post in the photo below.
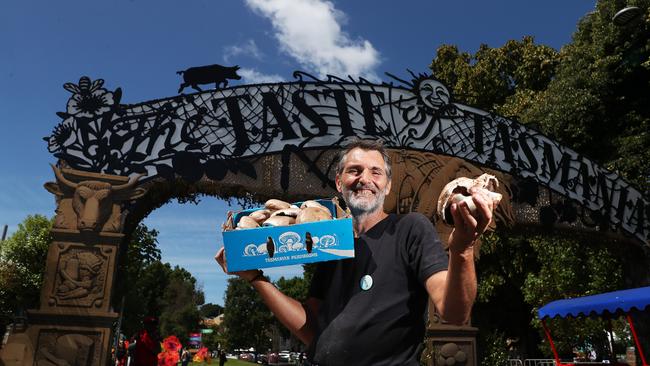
(94, 203)
(79, 276)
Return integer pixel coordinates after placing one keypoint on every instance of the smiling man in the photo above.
(371, 309)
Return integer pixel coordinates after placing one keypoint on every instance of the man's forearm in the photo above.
(290, 312)
(460, 289)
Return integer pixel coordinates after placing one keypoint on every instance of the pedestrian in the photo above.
(121, 353)
(371, 309)
(222, 357)
(186, 357)
(147, 344)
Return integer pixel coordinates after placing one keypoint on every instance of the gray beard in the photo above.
(360, 207)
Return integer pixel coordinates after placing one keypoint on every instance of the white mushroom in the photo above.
(312, 203)
(274, 204)
(246, 222)
(312, 214)
(279, 221)
(457, 191)
(293, 212)
(260, 215)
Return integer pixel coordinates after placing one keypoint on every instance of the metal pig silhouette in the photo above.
(216, 74)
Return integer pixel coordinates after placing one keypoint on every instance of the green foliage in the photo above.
(597, 102)
(138, 285)
(216, 339)
(22, 266)
(296, 288)
(518, 272)
(590, 96)
(247, 320)
(568, 268)
(493, 346)
(179, 306)
(153, 288)
(492, 76)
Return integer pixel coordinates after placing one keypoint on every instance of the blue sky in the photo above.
(139, 45)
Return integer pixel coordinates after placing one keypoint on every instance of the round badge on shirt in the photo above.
(366, 282)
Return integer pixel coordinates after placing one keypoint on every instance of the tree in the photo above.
(297, 288)
(592, 97)
(22, 266)
(521, 271)
(216, 339)
(138, 282)
(246, 320)
(496, 79)
(180, 305)
(153, 288)
(210, 310)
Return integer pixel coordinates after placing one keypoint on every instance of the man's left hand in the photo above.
(467, 227)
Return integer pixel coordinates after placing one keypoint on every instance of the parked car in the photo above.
(284, 356)
(247, 357)
(272, 358)
(263, 359)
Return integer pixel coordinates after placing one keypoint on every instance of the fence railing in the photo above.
(532, 362)
(547, 362)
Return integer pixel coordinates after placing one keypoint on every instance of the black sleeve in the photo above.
(425, 253)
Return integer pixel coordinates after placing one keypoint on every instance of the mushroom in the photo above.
(457, 191)
(260, 215)
(293, 212)
(312, 214)
(246, 222)
(312, 203)
(274, 204)
(279, 220)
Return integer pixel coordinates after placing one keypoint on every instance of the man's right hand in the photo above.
(246, 275)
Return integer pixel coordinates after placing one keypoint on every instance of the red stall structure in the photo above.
(621, 303)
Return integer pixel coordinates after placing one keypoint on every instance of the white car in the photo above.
(284, 356)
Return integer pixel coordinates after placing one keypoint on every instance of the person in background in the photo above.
(222, 357)
(147, 344)
(186, 357)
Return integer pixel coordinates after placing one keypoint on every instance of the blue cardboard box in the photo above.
(277, 246)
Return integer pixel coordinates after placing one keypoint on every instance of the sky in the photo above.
(139, 45)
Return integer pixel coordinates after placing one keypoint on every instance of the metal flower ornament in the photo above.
(88, 99)
(82, 135)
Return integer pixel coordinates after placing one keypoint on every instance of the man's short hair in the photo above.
(368, 145)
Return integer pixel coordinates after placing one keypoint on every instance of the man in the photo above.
(147, 343)
(186, 357)
(370, 310)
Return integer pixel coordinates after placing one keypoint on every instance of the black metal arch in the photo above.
(210, 132)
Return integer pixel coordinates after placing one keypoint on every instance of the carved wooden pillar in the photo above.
(451, 345)
(74, 322)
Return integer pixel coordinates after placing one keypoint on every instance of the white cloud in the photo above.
(249, 48)
(255, 77)
(310, 31)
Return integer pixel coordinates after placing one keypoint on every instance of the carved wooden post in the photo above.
(74, 322)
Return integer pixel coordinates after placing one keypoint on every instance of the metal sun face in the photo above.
(432, 93)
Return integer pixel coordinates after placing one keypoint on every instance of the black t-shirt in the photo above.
(384, 323)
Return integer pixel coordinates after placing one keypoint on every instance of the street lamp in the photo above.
(626, 15)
